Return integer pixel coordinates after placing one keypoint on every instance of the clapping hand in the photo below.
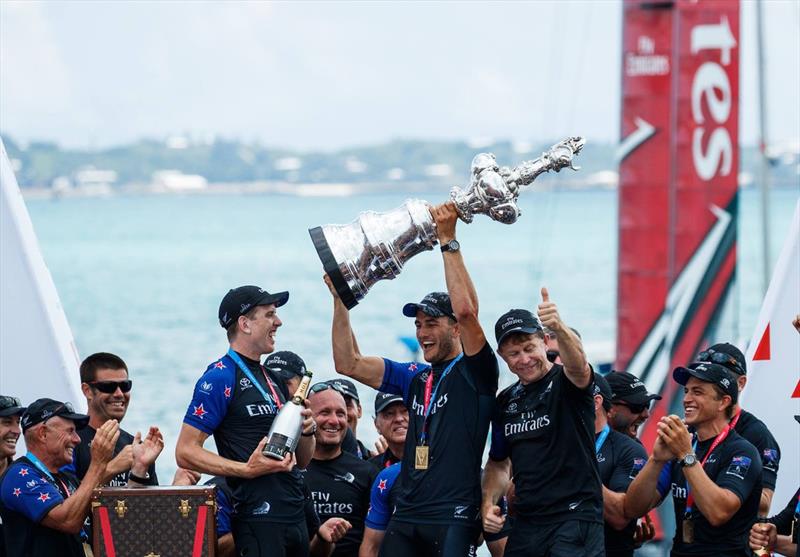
(675, 435)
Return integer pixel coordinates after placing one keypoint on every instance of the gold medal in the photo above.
(421, 460)
(688, 530)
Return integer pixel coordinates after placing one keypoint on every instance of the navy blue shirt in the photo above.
(547, 429)
(734, 465)
(26, 496)
(449, 491)
(228, 406)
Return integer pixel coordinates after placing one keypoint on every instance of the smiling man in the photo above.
(43, 508)
(107, 387)
(449, 404)
(236, 400)
(713, 475)
(630, 403)
(391, 421)
(339, 481)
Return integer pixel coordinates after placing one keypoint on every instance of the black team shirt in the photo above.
(755, 431)
(734, 465)
(449, 491)
(228, 406)
(547, 429)
(82, 457)
(340, 487)
(620, 459)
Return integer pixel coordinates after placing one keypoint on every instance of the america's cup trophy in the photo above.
(376, 245)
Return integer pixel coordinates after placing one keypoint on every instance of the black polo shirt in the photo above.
(756, 431)
(734, 465)
(547, 429)
(340, 487)
(82, 457)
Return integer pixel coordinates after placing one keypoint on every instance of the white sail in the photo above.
(38, 357)
(773, 363)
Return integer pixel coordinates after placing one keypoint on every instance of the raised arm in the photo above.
(346, 357)
(643, 493)
(576, 367)
(459, 284)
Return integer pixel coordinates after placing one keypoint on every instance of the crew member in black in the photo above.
(236, 400)
(630, 405)
(107, 387)
(351, 443)
(391, 422)
(746, 424)
(449, 408)
(544, 428)
(339, 482)
(288, 367)
(10, 411)
(714, 476)
(619, 459)
(43, 509)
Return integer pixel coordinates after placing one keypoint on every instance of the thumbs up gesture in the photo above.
(548, 313)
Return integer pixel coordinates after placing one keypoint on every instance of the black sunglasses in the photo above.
(721, 358)
(9, 402)
(109, 387)
(324, 386)
(635, 408)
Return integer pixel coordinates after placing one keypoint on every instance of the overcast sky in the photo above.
(327, 75)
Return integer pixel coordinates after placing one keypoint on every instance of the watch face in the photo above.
(689, 459)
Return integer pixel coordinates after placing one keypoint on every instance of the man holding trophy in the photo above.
(449, 405)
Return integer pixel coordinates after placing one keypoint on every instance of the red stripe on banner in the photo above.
(796, 393)
(199, 531)
(105, 526)
(763, 352)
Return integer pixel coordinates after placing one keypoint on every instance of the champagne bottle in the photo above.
(762, 551)
(287, 426)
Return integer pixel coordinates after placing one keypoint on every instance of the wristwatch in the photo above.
(313, 431)
(452, 245)
(689, 460)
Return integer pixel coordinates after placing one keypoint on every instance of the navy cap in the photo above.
(242, 299)
(10, 406)
(435, 304)
(725, 354)
(45, 408)
(383, 400)
(710, 373)
(286, 364)
(626, 387)
(601, 388)
(516, 321)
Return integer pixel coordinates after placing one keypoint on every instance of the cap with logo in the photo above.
(10, 406)
(435, 304)
(346, 387)
(516, 321)
(601, 388)
(710, 373)
(725, 354)
(626, 387)
(286, 364)
(45, 408)
(242, 299)
(383, 400)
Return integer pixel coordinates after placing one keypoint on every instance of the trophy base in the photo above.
(332, 267)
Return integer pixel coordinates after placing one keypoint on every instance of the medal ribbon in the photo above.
(246, 370)
(43, 469)
(719, 439)
(430, 396)
(598, 444)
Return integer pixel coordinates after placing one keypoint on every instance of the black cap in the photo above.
(46, 408)
(710, 373)
(286, 364)
(626, 387)
(601, 388)
(435, 304)
(239, 301)
(382, 400)
(725, 354)
(10, 406)
(516, 321)
(346, 387)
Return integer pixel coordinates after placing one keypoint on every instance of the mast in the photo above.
(762, 144)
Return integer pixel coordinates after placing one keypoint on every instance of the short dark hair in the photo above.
(519, 336)
(100, 360)
(233, 328)
(721, 393)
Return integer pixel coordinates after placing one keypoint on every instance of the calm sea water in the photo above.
(143, 276)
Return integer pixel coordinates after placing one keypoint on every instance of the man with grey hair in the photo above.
(42, 508)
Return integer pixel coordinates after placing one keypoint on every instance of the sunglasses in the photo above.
(635, 408)
(324, 386)
(721, 358)
(109, 387)
(9, 402)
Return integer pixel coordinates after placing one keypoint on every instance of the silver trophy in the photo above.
(375, 246)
